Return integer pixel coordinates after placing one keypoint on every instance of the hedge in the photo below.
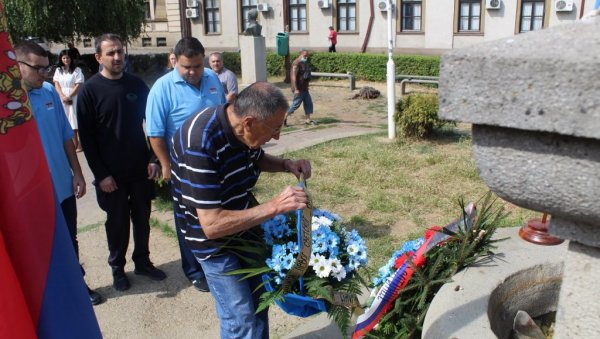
(371, 67)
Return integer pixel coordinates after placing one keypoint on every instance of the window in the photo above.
(87, 42)
(161, 42)
(146, 42)
(247, 5)
(469, 15)
(532, 15)
(147, 12)
(297, 15)
(212, 18)
(411, 16)
(346, 15)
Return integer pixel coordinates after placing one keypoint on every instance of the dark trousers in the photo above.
(69, 210)
(332, 48)
(131, 201)
(190, 266)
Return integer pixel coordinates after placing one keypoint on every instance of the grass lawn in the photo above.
(390, 191)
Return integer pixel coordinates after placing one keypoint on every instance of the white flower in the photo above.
(352, 249)
(340, 274)
(315, 259)
(322, 269)
(336, 265)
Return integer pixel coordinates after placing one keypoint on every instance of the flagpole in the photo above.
(391, 76)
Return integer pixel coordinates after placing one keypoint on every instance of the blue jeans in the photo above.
(235, 302)
(303, 97)
(191, 268)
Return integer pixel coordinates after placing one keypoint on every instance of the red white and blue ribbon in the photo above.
(406, 265)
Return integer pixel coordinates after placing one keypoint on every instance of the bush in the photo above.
(370, 67)
(416, 115)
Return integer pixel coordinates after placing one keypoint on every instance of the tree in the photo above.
(71, 20)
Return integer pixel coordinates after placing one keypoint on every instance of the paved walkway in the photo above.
(172, 308)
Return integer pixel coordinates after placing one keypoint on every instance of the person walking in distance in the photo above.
(332, 39)
(110, 110)
(174, 97)
(299, 79)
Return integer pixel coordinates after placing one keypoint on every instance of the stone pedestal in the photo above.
(534, 105)
(254, 59)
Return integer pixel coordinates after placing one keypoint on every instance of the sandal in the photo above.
(310, 122)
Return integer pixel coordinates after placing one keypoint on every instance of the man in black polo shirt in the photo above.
(216, 160)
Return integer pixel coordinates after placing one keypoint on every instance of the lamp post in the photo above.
(391, 75)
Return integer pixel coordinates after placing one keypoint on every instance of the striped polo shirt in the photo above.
(211, 169)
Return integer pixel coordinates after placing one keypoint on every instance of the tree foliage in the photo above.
(71, 20)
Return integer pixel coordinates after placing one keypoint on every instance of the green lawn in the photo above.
(388, 190)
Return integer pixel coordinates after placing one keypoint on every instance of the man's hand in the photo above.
(78, 186)
(153, 171)
(108, 185)
(166, 171)
(230, 97)
(297, 167)
(297, 92)
(290, 199)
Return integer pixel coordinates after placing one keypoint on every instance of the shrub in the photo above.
(416, 115)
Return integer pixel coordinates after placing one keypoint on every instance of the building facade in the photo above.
(420, 26)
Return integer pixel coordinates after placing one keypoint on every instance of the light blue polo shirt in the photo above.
(172, 100)
(55, 130)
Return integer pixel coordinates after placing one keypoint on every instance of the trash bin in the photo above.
(281, 41)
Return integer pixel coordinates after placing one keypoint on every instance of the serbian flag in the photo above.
(42, 292)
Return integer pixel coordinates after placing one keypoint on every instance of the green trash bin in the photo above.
(281, 41)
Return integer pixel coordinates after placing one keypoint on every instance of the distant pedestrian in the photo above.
(68, 79)
(110, 110)
(226, 76)
(300, 77)
(332, 39)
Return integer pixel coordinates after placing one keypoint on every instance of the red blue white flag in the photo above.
(42, 292)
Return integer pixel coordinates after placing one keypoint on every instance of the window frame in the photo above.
(545, 15)
(243, 10)
(401, 8)
(470, 16)
(346, 4)
(298, 7)
(215, 10)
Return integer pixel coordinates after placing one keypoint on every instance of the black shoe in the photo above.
(95, 297)
(120, 281)
(201, 285)
(150, 271)
(285, 122)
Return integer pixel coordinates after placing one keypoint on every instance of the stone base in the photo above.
(254, 59)
(460, 308)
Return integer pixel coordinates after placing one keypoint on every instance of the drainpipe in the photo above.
(369, 28)
(186, 27)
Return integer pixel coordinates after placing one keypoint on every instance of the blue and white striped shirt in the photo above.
(211, 168)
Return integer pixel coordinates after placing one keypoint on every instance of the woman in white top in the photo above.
(68, 80)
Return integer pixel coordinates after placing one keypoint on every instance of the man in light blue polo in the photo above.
(177, 95)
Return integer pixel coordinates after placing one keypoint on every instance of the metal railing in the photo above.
(419, 79)
(350, 77)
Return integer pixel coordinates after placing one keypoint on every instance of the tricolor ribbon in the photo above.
(407, 264)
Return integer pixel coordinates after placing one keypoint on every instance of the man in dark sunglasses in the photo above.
(56, 135)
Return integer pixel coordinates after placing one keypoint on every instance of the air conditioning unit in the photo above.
(383, 5)
(262, 7)
(564, 5)
(323, 3)
(191, 3)
(493, 4)
(191, 13)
